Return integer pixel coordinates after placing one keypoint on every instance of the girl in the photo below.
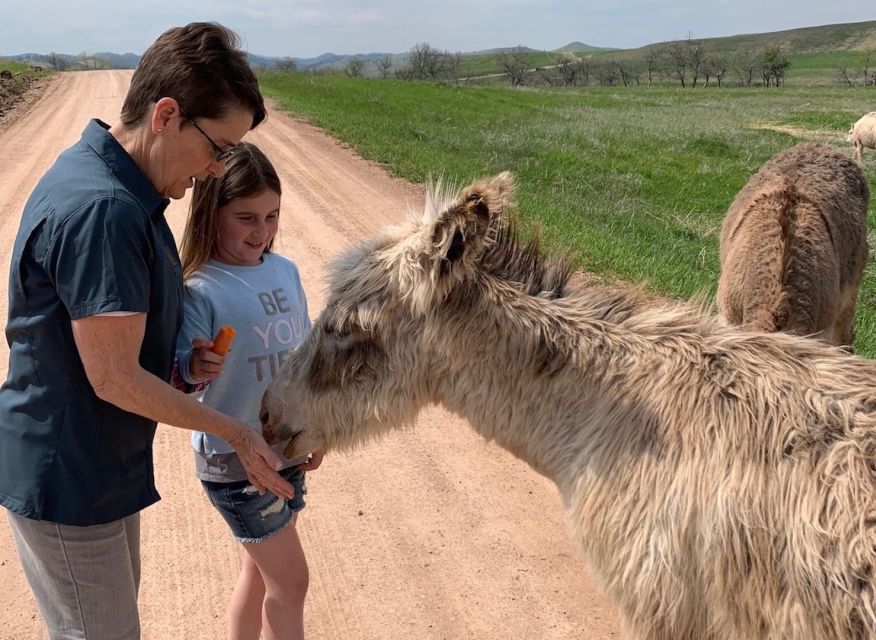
(233, 278)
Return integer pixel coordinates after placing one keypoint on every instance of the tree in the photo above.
(843, 75)
(719, 65)
(678, 59)
(863, 71)
(745, 63)
(626, 71)
(287, 65)
(428, 63)
(652, 62)
(57, 61)
(354, 67)
(383, 64)
(582, 72)
(774, 65)
(565, 65)
(606, 73)
(514, 64)
(454, 64)
(696, 59)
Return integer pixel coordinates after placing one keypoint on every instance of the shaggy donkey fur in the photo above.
(721, 483)
(794, 246)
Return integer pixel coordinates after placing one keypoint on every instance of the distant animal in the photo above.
(794, 246)
(721, 483)
(863, 134)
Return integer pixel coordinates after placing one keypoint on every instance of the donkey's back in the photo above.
(794, 246)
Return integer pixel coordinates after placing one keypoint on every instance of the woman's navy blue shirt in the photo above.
(93, 239)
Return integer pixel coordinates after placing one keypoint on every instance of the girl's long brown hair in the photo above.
(248, 172)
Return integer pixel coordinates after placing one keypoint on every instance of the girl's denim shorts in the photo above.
(253, 517)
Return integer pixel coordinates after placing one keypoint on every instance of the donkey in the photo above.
(794, 246)
(721, 483)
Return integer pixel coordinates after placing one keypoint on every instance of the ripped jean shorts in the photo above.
(254, 518)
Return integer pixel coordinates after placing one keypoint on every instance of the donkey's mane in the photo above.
(508, 258)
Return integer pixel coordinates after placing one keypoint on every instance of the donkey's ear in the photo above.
(462, 231)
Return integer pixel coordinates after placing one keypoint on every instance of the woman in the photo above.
(95, 303)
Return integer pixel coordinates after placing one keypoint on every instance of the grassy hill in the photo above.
(580, 47)
(832, 38)
(814, 52)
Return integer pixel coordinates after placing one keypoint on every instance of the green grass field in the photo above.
(634, 183)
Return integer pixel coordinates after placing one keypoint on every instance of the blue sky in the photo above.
(310, 27)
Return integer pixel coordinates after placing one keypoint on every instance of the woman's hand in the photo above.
(204, 364)
(260, 462)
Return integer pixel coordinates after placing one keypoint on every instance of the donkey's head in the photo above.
(369, 363)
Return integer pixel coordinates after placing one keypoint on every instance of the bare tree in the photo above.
(383, 64)
(696, 57)
(745, 64)
(627, 71)
(678, 58)
(354, 67)
(287, 65)
(652, 62)
(453, 66)
(428, 63)
(843, 76)
(548, 76)
(514, 64)
(719, 65)
(566, 67)
(864, 71)
(57, 62)
(607, 74)
(582, 72)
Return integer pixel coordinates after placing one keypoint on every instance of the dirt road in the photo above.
(431, 534)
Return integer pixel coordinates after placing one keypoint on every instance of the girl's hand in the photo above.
(313, 461)
(204, 364)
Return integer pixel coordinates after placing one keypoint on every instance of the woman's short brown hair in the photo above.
(202, 68)
(248, 172)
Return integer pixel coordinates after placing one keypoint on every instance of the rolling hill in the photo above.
(830, 40)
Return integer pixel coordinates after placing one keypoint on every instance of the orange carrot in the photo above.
(223, 339)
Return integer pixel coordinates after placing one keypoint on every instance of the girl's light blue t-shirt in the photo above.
(267, 307)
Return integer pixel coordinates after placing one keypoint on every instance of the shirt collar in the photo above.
(97, 136)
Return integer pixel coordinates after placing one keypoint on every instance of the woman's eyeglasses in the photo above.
(221, 155)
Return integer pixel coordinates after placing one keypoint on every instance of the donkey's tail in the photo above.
(773, 300)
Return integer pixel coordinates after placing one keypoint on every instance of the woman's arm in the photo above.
(109, 347)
